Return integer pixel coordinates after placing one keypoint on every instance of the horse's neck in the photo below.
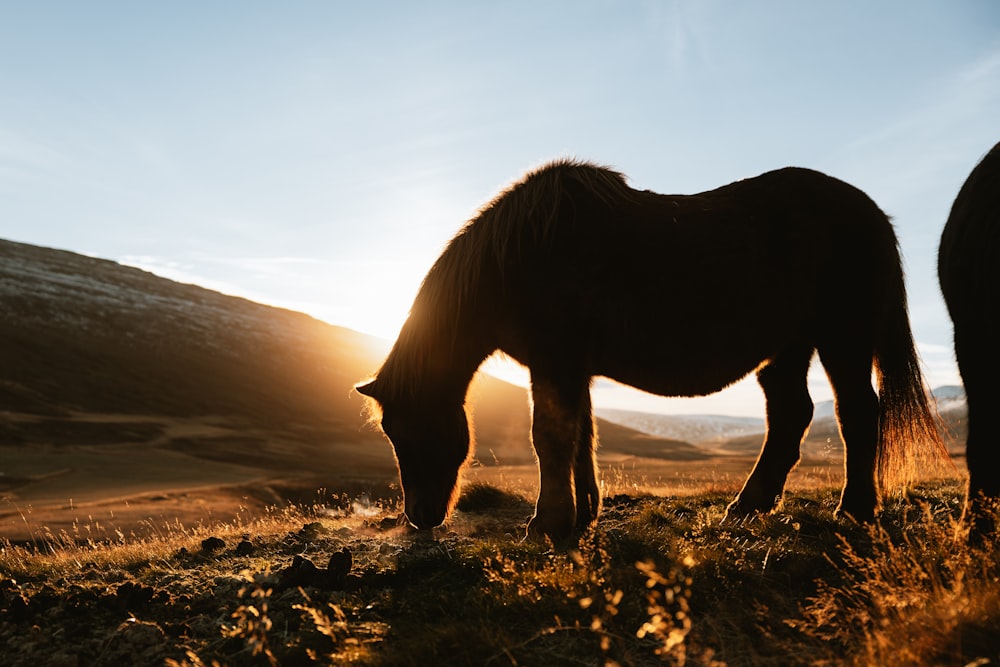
(448, 334)
(434, 369)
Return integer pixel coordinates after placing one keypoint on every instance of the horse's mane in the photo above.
(523, 217)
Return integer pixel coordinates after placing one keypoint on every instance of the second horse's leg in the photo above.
(979, 365)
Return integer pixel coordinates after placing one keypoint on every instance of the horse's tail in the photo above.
(910, 431)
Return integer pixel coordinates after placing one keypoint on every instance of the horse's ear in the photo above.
(368, 389)
(373, 408)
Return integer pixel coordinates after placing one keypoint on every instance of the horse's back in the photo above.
(756, 235)
(969, 273)
(650, 287)
(970, 243)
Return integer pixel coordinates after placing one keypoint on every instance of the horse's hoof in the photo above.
(743, 509)
(584, 524)
(857, 515)
(542, 533)
(736, 514)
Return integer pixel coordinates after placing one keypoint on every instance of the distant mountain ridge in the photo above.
(696, 429)
(747, 432)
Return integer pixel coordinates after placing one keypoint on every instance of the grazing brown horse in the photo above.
(969, 271)
(574, 274)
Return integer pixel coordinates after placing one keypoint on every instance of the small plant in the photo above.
(668, 607)
(594, 603)
(253, 624)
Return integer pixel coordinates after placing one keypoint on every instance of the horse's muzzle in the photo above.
(423, 517)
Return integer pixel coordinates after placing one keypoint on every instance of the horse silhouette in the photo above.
(969, 272)
(575, 274)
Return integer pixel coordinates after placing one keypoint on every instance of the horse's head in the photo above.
(431, 443)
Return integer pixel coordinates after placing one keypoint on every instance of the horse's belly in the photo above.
(679, 377)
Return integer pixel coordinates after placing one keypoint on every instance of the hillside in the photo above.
(119, 384)
(698, 429)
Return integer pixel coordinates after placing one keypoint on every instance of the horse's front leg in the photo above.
(588, 493)
(555, 434)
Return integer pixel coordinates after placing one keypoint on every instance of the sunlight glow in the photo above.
(504, 368)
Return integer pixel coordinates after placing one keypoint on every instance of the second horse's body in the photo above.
(969, 270)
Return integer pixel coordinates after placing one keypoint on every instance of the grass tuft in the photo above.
(481, 497)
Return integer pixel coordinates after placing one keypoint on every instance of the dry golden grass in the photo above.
(660, 580)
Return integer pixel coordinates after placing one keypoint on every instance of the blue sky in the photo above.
(317, 155)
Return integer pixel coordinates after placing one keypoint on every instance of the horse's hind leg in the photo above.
(588, 494)
(857, 407)
(789, 411)
(557, 407)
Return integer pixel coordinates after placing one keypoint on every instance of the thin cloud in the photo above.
(20, 153)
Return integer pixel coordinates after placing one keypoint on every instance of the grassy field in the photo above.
(660, 580)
